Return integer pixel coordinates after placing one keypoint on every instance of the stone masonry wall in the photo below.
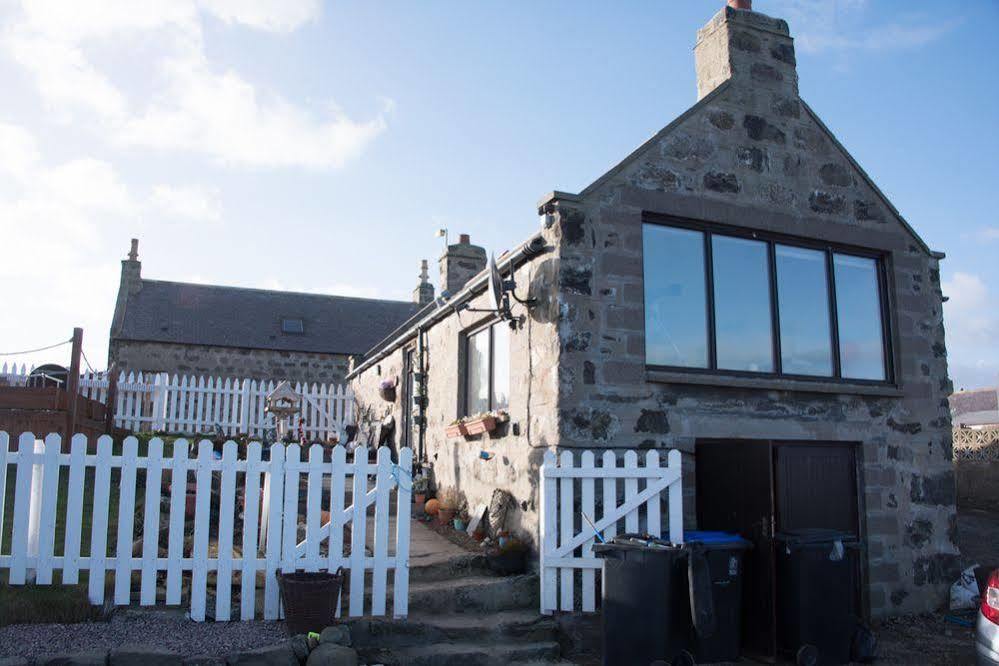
(751, 154)
(146, 357)
(517, 447)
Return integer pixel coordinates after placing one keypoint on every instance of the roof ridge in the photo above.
(279, 291)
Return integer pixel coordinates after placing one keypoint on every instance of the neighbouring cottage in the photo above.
(209, 330)
(737, 288)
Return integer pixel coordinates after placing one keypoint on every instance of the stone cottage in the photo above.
(737, 288)
(209, 330)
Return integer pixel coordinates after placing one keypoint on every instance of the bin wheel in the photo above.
(683, 658)
(808, 655)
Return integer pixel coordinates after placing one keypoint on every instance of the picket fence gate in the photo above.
(197, 404)
(567, 536)
(37, 486)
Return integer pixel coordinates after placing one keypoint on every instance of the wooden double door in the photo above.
(761, 487)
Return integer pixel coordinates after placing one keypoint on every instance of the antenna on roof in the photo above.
(499, 291)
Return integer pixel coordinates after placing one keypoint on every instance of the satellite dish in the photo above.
(495, 285)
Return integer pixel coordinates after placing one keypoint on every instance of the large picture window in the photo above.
(724, 300)
(487, 369)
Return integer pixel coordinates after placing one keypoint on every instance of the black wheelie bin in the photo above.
(816, 594)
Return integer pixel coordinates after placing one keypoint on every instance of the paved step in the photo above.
(422, 629)
(470, 564)
(469, 594)
(466, 654)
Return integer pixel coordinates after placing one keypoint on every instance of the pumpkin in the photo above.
(432, 507)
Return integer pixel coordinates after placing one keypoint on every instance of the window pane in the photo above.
(803, 303)
(858, 309)
(501, 365)
(478, 373)
(743, 332)
(676, 323)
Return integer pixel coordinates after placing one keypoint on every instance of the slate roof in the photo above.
(183, 313)
(975, 407)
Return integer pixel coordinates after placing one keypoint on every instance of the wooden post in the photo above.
(111, 406)
(73, 386)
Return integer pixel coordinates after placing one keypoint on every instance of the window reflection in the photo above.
(803, 304)
(743, 329)
(858, 310)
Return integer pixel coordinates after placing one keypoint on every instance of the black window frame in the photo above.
(464, 366)
(772, 239)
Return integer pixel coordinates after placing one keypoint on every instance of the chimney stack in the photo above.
(460, 263)
(753, 50)
(131, 283)
(424, 292)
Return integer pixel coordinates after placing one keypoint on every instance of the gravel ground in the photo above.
(160, 629)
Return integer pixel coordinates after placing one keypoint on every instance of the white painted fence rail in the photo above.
(184, 558)
(194, 404)
(569, 492)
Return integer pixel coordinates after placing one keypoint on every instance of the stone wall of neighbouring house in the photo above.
(752, 155)
(517, 447)
(977, 484)
(146, 357)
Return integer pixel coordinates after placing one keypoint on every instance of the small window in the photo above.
(487, 369)
(292, 326)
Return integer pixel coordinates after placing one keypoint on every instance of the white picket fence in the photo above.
(379, 496)
(192, 405)
(567, 537)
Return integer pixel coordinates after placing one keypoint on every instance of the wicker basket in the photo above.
(309, 599)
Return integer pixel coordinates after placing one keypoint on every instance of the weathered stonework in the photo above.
(183, 359)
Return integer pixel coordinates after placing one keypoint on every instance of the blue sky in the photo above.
(316, 146)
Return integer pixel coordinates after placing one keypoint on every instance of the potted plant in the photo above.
(457, 428)
(386, 389)
(509, 558)
(461, 521)
(449, 504)
(421, 485)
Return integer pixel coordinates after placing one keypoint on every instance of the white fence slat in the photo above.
(358, 531)
(610, 494)
(99, 525)
(549, 523)
(199, 551)
(274, 499)
(567, 514)
(314, 508)
(400, 602)
(652, 515)
(126, 522)
(74, 510)
(630, 490)
(675, 501)
(588, 506)
(178, 509)
(4, 454)
(251, 514)
(227, 509)
(151, 522)
(47, 519)
(338, 475)
(379, 576)
(289, 538)
(22, 508)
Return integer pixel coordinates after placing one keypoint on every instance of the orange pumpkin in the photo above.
(432, 507)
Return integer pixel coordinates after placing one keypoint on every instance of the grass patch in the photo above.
(62, 604)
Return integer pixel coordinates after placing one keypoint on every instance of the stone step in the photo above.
(470, 594)
(472, 564)
(466, 654)
(427, 628)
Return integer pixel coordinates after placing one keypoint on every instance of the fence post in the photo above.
(244, 409)
(160, 401)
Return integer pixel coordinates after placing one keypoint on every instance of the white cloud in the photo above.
(191, 202)
(195, 106)
(971, 317)
(842, 25)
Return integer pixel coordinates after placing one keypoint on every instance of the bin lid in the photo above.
(714, 538)
(809, 535)
(634, 542)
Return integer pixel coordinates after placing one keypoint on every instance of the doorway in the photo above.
(760, 487)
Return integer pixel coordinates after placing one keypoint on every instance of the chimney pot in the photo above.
(741, 4)
(465, 239)
(133, 253)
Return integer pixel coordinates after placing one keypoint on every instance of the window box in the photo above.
(476, 425)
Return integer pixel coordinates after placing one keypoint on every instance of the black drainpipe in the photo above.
(421, 385)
